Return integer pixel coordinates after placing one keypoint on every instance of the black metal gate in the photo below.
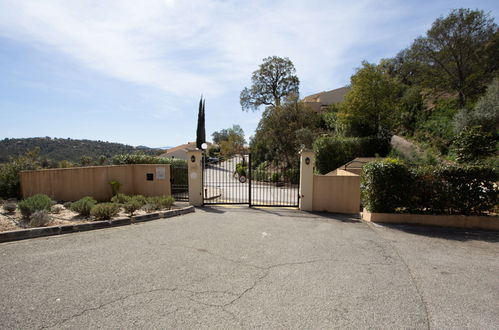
(236, 180)
(179, 179)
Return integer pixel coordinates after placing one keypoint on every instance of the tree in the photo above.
(223, 135)
(200, 131)
(455, 51)
(370, 105)
(485, 113)
(274, 80)
(282, 131)
(473, 144)
(233, 142)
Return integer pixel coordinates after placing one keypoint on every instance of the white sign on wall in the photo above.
(160, 173)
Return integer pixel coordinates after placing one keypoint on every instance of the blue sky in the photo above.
(132, 71)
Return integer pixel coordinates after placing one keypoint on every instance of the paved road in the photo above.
(243, 268)
(219, 180)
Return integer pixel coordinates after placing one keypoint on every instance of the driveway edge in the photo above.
(17, 235)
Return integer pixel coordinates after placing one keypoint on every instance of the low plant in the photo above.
(67, 205)
(167, 202)
(148, 208)
(9, 207)
(154, 202)
(56, 209)
(83, 206)
(105, 211)
(141, 199)
(131, 206)
(38, 202)
(260, 175)
(120, 198)
(275, 177)
(39, 218)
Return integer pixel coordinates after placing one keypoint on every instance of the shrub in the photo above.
(149, 208)
(125, 159)
(39, 218)
(141, 199)
(386, 185)
(56, 209)
(67, 205)
(292, 175)
(391, 186)
(275, 177)
(167, 202)
(241, 169)
(154, 203)
(83, 206)
(332, 152)
(260, 175)
(9, 207)
(120, 198)
(10, 185)
(131, 206)
(115, 187)
(473, 144)
(34, 203)
(105, 211)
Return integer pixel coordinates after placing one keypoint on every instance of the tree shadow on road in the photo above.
(212, 209)
(455, 234)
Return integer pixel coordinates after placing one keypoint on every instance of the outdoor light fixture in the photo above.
(193, 158)
(307, 160)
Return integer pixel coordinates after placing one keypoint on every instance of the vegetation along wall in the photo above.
(70, 184)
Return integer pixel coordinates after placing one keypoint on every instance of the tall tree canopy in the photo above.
(231, 140)
(274, 80)
(456, 52)
(370, 104)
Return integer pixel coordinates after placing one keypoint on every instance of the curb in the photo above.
(66, 229)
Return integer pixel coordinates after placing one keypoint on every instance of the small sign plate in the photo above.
(160, 173)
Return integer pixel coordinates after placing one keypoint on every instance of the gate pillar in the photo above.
(307, 161)
(195, 172)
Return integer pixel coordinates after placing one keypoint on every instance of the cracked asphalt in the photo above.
(245, 268)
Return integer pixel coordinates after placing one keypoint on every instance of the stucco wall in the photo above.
(337, 194)
(70, 184)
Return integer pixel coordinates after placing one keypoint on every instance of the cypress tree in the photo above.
(201, 131)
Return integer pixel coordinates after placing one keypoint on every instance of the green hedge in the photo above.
(125, 159)
(392, 186)
(332, 152)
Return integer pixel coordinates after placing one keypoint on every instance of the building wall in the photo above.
(177, 154)
(70, 184)
(336, 194)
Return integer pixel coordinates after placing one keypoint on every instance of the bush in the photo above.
(83, 206)
(332, 152)
(141, 199)
(56, 209)
(167, 202)
(391, 186)
(67, 205)
(125, 159)
(292, 175)
(10, 185)
(9, 207)
(473, 144)
(105, 211)
(149, 208)
(386, 185)
(275, 177)
(260, 175)
(39, 218)
(120, 198)
(131, 206)
(34, 203)
(241, 169)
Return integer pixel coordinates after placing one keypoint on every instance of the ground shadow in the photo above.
(455, 234)
(212, 209)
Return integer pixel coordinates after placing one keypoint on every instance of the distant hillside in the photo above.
(67, 149)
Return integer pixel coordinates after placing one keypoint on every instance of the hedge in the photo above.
(332, 152)
(392, 186)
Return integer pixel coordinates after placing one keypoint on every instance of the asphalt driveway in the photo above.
(252, 268)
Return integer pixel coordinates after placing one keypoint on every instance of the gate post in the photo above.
(307, 161)
(195, 173)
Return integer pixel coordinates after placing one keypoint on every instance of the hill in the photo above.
(56, 149)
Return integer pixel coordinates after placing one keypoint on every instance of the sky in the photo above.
(132, 71)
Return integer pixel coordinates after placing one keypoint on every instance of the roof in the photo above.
(186, 147)
(333, 96)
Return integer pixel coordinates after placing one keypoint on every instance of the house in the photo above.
(320, 101)
(180, 152)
